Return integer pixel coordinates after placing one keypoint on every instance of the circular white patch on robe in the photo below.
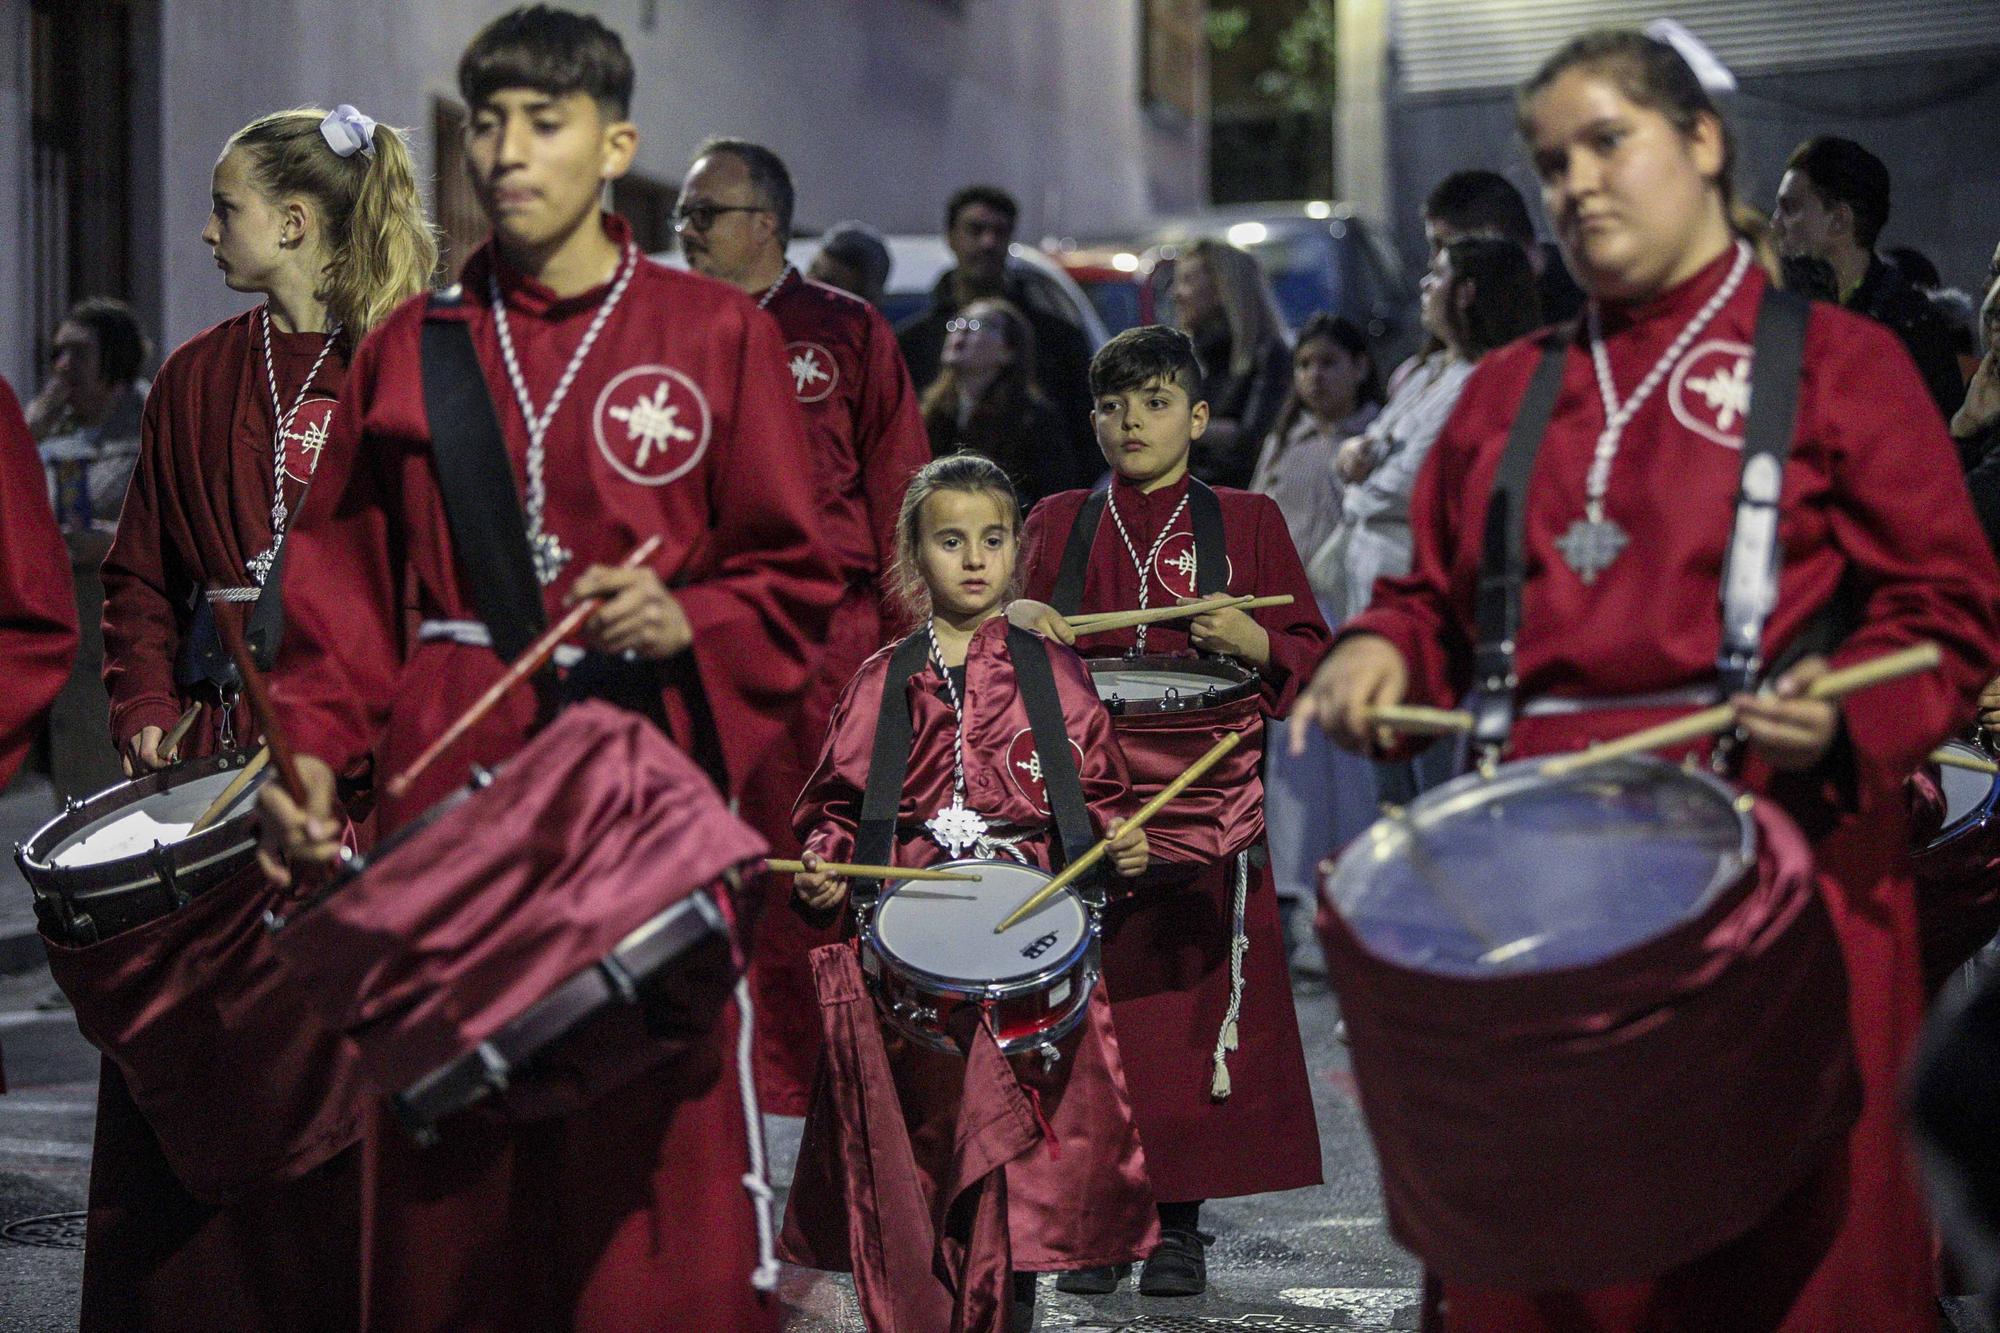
(1024, 768)
(652, 424)
(814, 373)
(1710, 391)
(1174, 567)
(306, 437)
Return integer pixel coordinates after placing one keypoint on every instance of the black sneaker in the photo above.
(1092, 1281)
(1177, 1267)
(1021, 1317)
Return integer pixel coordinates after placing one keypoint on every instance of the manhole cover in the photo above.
(51, 1231)
(1245, 1323)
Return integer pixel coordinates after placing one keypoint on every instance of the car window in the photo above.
(1117, 303)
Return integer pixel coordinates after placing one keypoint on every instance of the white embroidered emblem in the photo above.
(814, 372)
(652, 424)
(1709, 392)
(306, 437)
(1024, 768)
(1176, 566)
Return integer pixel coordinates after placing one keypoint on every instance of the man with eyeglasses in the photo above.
(979, 224)
(866, 436)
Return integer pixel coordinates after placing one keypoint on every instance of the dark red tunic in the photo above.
(1869, 489)
(37, 607)
(1167, 944)
(679, 424)
(199, 508)
(1081, 1203)
(867, 437)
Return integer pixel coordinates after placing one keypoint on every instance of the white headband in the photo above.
(348, 132)
(1709, 72)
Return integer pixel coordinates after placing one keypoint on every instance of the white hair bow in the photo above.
(348, 132)
(1710, 72)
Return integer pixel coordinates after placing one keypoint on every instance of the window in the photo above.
(1170, 46)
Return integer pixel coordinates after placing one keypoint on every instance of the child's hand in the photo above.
(1042, 618)
(1128, 852)
(1989, 709)
(1354, 460)
(1230, 631)
(816, 888)
(1789, 730)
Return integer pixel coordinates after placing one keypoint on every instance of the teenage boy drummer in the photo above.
(634, 401)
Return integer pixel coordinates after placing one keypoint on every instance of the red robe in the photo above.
(868, 437)
(1085, 1202)
(199, 508)
(37, 608)
(1167, 944)
(158, 1253)
(455, 1234)
(1870, 488)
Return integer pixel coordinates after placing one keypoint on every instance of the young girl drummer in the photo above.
(319, 214)
(973, 788)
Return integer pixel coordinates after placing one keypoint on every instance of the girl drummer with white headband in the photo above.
(1629, 510)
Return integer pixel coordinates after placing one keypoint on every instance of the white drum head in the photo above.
(164, 817)
(1964, 790)
(946, 929)
(1141, 684)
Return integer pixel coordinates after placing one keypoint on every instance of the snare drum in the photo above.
(1573, 1004)
(929, 953)
(123, 858)
(1968, 827)
(1167, 711)
(1956, 818)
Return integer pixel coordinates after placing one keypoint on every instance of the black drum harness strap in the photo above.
(1211, 553)
(1750, 572)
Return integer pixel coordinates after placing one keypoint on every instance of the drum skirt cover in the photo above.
(594, 827)
(1605, 1122)
(1222, 812)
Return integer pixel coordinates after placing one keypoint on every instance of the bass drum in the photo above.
(1572, 1003)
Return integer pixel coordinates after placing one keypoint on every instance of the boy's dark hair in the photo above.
(1504, 303)
(1137, 357)
(992, 196)
(121, 343)
(1843, 172)
(555, 51)
(1475, 201)
(768, 176)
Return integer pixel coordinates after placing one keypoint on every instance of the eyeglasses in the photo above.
(700, 217)
(963, 325)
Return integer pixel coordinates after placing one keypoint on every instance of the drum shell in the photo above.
(1957, 869)
(594, 827)
(1222, 812)
(230, 1061)
(1590, 1126)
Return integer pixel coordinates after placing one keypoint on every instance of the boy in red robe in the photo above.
(1215, 1124)
(868, 438)
(634, 401)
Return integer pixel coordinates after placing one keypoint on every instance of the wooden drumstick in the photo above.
(172, 740)
(1104, 621)
(1970, 763)
(1412, 720)
(243, 778)
(1720, 718)
(527, 664)
(850, 871)
(262, 709)
(1102, 845)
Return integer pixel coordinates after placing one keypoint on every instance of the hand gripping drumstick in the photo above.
(850, 871)
(1110, 620)
(1414, 721)
(1711, 721)
(527, 664)
(1096, 853)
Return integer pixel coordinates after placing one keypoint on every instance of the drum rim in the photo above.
(1980, 815)
(226, 839)
(985, 990)
(1458, 796)
(1235, 682)
(1070, 1019)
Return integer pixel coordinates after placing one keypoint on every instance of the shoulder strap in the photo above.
(889, 761)
(1211, 547)
(482, 504)
(265, 626)
(1037, 680)
(1503, 562)
(1750, 572)
(1068, 596)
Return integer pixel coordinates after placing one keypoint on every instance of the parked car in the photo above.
(1111, 277)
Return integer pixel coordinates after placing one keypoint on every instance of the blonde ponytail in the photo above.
(381, 249)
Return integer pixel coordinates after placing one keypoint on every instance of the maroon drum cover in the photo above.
(1598, 1023)
(1955, 833)
(1167, 710)
(595, 827)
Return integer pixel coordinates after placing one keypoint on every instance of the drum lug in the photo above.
(914, 1013)
(493, 1066)
(72, 804)
(619, 978)
(1050, 1057)
(163, 866)
(482, 777)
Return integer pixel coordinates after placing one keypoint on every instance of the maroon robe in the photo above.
(37, 607)
(199, 508)
(867, 438)
(1167, 944)
(680, 424)
(1870, 488)
(1078, 1199)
